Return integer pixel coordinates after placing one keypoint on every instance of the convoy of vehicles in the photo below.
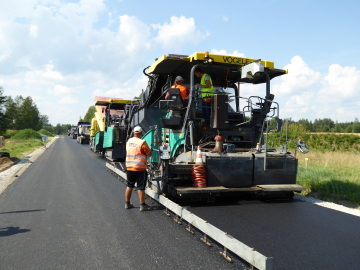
(234, 153)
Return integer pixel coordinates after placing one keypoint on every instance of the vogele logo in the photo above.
(235, 60)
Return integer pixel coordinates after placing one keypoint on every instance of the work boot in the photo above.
(128, 205)
(145, 207)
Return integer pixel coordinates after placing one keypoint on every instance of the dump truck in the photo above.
(83, 130)
(73, 132)
(233, 158)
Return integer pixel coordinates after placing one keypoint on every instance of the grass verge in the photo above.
(21, 148)
(333, 176)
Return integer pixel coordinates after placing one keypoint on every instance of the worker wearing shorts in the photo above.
(137, 151)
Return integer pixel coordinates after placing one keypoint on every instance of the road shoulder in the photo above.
(10, 175)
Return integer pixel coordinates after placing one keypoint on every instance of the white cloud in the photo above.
(111, 19)
(4, 56)
(180, 31)
(334, 95)
(340, 111)
(299, 77)
(128, 92)
(224, 18)
(299, 103)
(43, 76)
(341, 83)
(223, 52)
(97, 92)
(34, 30)
(68, 100)
(134, 34)
(60, 90)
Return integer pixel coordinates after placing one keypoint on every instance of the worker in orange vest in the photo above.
(137, 151)
(184, 92)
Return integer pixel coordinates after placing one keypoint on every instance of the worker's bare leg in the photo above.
(141, 194)
(128, 194)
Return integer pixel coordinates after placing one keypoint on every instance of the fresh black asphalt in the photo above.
(298, 235)
(67, 212)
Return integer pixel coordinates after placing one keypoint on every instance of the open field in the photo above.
(20, 148)
(333, 176)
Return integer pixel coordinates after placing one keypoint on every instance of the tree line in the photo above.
(22, 113)
(328, 125)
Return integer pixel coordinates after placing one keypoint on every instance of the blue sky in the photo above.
(63, 53)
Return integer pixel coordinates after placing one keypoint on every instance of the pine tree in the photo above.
(356, 125)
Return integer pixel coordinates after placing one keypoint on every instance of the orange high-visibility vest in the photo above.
(182, 89)
(134, 158)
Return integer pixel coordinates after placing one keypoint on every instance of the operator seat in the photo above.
(175, 98)
(176, 105)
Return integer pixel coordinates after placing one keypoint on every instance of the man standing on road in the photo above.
(207, 90)
(137, 151)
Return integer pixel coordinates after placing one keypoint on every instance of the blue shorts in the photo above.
(138, 177)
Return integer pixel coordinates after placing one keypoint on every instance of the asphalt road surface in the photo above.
(67, 212)
(298, 235)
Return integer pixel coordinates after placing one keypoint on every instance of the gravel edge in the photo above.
(329, 205)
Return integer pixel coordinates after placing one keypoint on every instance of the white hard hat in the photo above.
(137, 129)
(179, 78)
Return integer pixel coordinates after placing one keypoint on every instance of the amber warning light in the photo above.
(207, 55)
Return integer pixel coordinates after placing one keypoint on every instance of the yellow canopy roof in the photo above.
(176, 65)
(119, 104)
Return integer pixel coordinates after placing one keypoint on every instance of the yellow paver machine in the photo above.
(234, 158)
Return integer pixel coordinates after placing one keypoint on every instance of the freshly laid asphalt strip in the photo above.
(67, 212)
(298, 235)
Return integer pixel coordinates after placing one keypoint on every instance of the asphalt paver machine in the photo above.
(110, 125)
(234, 153)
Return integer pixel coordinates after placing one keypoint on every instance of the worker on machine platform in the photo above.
(137, 151)
(184, 92)
(207, 90)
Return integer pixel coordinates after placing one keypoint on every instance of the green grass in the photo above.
(21, 148)
(331, 183)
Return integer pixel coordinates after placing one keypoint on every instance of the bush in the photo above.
(320, 141)
(9, 133)
(45, 132)
(27, 134)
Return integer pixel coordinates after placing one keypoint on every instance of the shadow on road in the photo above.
(11, 231)
(24, 211)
